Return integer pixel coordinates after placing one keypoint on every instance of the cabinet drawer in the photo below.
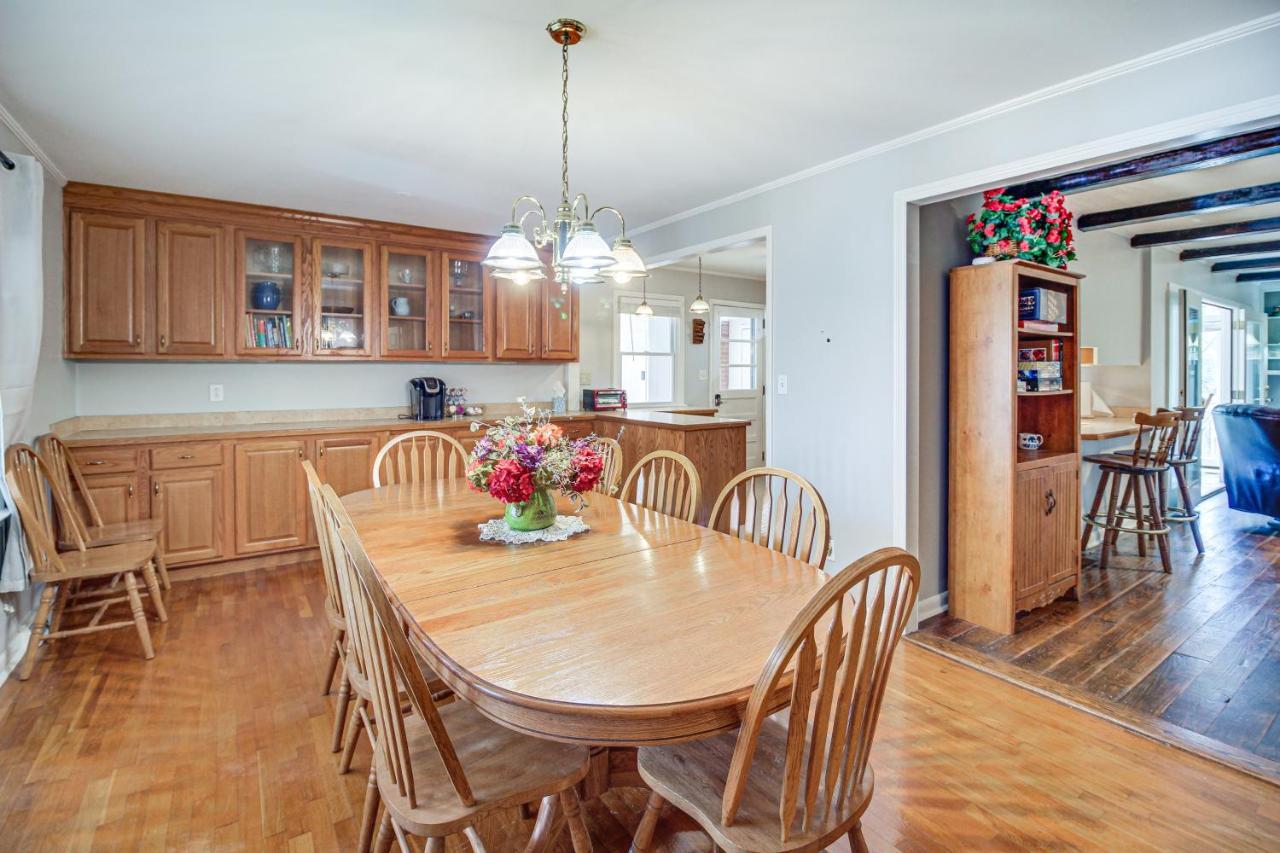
(577, 429)
(186, 455)
(106, 460)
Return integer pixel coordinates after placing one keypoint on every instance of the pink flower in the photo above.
(510, 482)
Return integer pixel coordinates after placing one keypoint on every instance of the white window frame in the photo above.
(666, 300)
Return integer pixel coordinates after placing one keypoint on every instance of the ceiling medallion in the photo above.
(579, 255)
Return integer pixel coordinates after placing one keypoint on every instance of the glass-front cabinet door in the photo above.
(269, 286)
(466, 307)
(408, 302)
(343, 290)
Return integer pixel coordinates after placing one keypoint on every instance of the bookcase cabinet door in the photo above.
(106, 284)
(191, 263)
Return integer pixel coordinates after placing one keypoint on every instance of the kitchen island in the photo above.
(230, 488)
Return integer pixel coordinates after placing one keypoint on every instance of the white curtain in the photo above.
(21, 307)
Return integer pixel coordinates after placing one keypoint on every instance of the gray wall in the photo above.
(832, 252)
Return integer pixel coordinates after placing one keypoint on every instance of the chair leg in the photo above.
(340, 712)
(331, 670)
(1136, 484)
(1157, 522)
(385, 834)
(473, 838)
(153, 587)
(1109, 535)
(139, 615)
(163, 570)
(434, 845)
(544, 829)
(644, 832)
(401, 838)
(857, 843)
(353, 734)
(37, 631)
(573, 816)
(1093, 510)
(1185, 491)
(369, 818)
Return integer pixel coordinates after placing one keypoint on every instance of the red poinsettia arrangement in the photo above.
(1036, 229)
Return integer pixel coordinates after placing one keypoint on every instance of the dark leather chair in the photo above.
(1250, 440)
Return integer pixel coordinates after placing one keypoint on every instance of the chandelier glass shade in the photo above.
(579, 255)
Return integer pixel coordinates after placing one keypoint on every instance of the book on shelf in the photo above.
(1042, 305)
(1038, 326)
(1047, 350)
(1041, 368)
(275, 331)
(1031, 380)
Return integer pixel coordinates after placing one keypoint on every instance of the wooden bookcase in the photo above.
(1014, 514)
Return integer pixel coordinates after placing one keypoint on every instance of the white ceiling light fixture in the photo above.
(579, 255)
(644, 309)
(699, 305)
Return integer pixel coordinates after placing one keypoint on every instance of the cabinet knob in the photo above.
(186, 456)
(131, 490)
(299, 452)
(96, 462)
(1050, 502)
(155, 488)
(164, 342)
(322, 450)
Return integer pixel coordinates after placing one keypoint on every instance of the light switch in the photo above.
(215, 393)
(702, 376)
(782, 383)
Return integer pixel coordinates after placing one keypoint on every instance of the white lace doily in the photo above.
(496, 530)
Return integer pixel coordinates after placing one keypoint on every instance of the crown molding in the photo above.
(1083, 81)
(7, 119)
(712, 273)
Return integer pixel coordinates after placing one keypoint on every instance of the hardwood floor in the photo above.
(222, 743)
(1195, 654)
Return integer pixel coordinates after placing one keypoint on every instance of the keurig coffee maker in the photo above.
(426, 398)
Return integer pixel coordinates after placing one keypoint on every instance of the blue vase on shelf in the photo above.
(266, 295)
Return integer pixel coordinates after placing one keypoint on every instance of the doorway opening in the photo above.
(1216, 384)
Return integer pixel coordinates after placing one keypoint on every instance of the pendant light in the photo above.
(643, 309)
(699, 305)
(579, 255)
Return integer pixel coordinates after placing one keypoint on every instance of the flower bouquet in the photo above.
(1032, 229)
(520, 460)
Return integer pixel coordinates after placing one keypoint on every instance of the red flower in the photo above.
(588, 465)
(1054, 235)
(1024, 246)
(987, 194)
(510, 482)
(990, 229)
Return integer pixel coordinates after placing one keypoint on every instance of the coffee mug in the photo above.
(400, 306)
(1030, 440)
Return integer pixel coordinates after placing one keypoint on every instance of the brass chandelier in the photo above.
(579, 255)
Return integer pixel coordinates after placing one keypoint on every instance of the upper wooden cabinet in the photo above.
(517, 312)
(106, 283)
(191, 270)
(157, 276)
(559, 322)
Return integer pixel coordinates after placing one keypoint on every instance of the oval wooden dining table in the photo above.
(644, 630)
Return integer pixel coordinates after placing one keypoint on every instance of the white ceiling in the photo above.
(440, 113)
(746, 260)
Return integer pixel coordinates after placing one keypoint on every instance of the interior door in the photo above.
(738, 374)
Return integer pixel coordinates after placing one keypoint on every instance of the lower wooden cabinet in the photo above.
(345, 462)
(119, 497)
(1046, 555)
(192, 502)
(270, 495)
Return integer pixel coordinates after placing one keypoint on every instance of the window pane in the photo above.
(648, 378)
(740, 378)
(741, 353)
(646, 334)
(737, 328)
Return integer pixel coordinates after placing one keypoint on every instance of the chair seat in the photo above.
(96, 562)
(115, 534)
(505, 769)
(1124, 463)
(692, 776)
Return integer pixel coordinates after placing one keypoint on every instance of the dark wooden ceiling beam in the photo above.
(1156, 211)
(1247, 264)
(1259, 276)
(1206, 232)
(1227, 251)
(1202, 155)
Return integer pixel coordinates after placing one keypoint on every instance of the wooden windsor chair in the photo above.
(611, 475)
(801, 782)
(1136, 474)
(666, 482)
(443, 768)
(62, 573)
(71, 515)
(776, 509)
(1186, 452)
(418, 456)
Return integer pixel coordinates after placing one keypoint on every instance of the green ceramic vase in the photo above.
(537, 513)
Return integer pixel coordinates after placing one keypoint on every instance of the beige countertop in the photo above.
(1097, 429)
(143, 433)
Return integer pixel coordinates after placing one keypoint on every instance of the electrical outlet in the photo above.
(584, 377)
(782, 383)
(215, 393)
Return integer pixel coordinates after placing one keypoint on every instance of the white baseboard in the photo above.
(931, 606)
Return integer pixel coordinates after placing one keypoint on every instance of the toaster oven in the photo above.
(602, 399)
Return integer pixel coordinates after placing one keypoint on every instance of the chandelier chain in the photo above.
(564, 119)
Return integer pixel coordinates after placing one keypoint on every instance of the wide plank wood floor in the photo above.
(1196, 651)
(222, 743)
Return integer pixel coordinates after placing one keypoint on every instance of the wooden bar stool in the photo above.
(1137, 475)
(1185, 452)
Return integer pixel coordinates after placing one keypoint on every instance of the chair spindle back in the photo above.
(331, 589)
(776, 509)
(65, 471)
(31, 486)
(376, 636)
(1187, 447)
(1156, 439)
(419, 456)
(665, 482)
(830, 728)
(611, 475)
